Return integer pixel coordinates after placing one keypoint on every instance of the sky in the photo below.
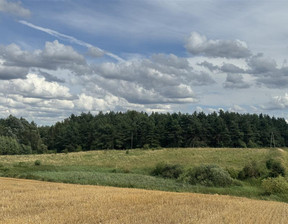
(59, 57)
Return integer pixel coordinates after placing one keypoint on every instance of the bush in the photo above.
(146, 146)
(167, 170)
(251, 170)
(276, 168)
(275, 185)
(208, 175)
(37, 163)
(232, 172)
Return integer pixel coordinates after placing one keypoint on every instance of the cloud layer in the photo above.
(198, 44)
(59, 66)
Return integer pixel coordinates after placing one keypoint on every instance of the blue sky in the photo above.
(63, 57)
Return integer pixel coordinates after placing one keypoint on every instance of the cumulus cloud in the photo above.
(260, 64)
(237, 108)
(14, 8)
(54, 55)
(198, 44)
(157, 80)
(208, 65)
(230, 68)
(12, 72)
(235, 81)
(48, 77)
(278, 102)
(202, 79)
(267, 72)
(91, 103)
(36, 87)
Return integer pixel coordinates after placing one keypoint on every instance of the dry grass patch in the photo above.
(27, 201)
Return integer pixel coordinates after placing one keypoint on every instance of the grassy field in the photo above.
(132, 168)
(29, 201)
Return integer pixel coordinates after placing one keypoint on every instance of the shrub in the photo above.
(37, 163)
(275, 185)
(276, 168)
(146, 146)
(232, 172)
(208, 175)
(251, 170)
(167, 170)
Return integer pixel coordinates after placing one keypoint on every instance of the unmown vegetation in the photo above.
(255, 173)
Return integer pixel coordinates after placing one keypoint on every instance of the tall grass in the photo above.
(118, 168)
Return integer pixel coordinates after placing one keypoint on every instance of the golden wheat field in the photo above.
(29, 201)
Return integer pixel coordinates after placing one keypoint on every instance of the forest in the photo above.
(132, 129)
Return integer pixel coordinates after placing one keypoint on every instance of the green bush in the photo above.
(251, 170)
(233, 173)
(276, 168)
(146, 146)
(208, 175)
(37, 163)
(167, 170)
(275, 185)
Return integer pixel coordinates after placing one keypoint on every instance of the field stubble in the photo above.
(28, 201)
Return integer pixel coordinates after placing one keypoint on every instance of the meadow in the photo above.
(30, 201)
(132, 169)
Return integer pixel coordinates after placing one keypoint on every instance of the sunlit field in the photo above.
(132, 169)
(29, 201)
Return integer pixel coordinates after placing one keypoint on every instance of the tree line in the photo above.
(132, 129)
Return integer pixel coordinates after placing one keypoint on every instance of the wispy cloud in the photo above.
(70, 39)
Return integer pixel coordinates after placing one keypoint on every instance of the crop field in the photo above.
(30, 201)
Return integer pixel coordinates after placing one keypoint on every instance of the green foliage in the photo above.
(10, 146)
(18, 136)
(251, 170)
(37, 162)
(133, 170)
(276, 168)
(146, 146)
(139, 130)
(167, 170)
(275, 185)
(233, 172)
(208, 175)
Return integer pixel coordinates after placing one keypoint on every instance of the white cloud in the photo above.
(92, 103)
(36, 87)
(14, 8)
(278, 102)
(157, 80)
(55, 55)
(237, 108)
(60, 53)
(260, 64)
(198, 44)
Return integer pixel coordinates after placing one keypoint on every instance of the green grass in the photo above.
(117, 168)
